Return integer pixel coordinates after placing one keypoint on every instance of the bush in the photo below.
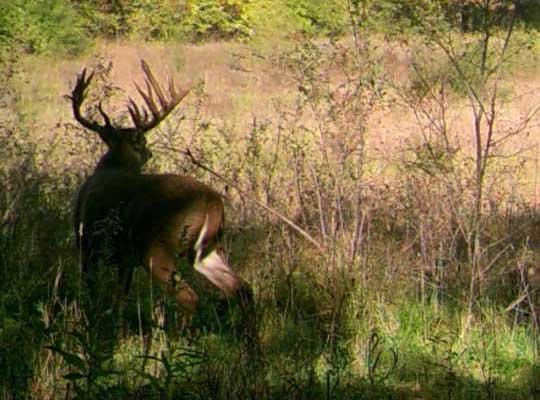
(210, 19)
(166, 20)
(41, 26)
(320, 16)
(157, 20)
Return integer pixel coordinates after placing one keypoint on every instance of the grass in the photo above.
(382, 313)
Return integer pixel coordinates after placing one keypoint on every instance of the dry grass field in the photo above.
(243, 82)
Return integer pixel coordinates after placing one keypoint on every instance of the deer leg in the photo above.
(127, 266)
(123, 284)
(161, 264)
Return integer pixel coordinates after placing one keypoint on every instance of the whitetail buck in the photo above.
(155, 217)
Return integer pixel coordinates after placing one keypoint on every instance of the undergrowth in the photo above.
(378, 285)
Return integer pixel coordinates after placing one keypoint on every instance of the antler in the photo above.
(78, 95)
(141, 119)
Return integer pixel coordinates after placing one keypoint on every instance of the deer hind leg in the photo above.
(161, 264)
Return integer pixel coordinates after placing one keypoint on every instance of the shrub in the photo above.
(320, 16)
(210, 19)
(41, 26)
(157, 20)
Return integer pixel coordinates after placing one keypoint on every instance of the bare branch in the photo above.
(271, 210)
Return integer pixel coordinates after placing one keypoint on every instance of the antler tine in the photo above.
(142, 122)
(134, 112)
(176, 97)
(78, 94)
(138, 118)
(104, 115)
(149, 99)
(151, 80)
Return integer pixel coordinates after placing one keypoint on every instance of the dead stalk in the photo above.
(318, 246)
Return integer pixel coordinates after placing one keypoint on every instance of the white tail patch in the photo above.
(213, 266)
(198, 244)
(216, 270)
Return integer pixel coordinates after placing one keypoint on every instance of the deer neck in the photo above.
(112, 162)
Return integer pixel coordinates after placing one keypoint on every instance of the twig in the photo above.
(294, 226)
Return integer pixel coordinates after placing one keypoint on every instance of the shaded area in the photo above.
(310, 345)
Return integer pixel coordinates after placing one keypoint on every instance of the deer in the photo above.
(158, 217)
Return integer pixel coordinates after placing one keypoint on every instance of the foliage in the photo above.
(103, 18)
(65, 26)
(210, 19)
(157, 20)
(41, 26)
(320, 17)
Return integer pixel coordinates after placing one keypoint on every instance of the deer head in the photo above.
(127, 146)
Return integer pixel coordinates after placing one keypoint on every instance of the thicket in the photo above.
(63, 26)
(66, 26)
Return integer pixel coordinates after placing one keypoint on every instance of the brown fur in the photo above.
(147, 219)
(160, 217)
